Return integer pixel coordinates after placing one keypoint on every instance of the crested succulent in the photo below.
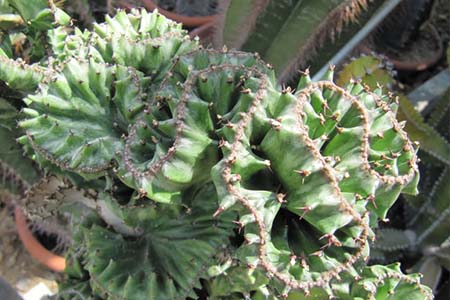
(418, 228)
(204, 177)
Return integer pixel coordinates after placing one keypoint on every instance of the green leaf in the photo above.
(430, 140)
(431, 271)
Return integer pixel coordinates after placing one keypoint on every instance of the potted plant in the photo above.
(34, 247)
(196, 174)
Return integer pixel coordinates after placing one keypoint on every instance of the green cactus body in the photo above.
(215, 177)
(418, 231)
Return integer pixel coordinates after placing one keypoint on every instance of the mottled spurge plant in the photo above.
(204, 178)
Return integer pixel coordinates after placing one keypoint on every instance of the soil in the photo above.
(17, 267)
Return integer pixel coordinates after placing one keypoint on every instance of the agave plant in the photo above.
(197, 175)
(418, 230)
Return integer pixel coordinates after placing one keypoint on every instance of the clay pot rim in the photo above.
(188, 21)
(415, 66)
(40, 253)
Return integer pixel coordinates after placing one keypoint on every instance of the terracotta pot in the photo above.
(426, 62)
(186, 20)
(417, 65)
(204, 32)
(34, 247)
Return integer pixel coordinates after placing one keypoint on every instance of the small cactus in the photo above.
(208, 175)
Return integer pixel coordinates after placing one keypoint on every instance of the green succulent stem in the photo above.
(200, 172)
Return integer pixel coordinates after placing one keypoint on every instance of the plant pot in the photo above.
(34, 247)
(188, 21)
(204, 32)
(420, 55)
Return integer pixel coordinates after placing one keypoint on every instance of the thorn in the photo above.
(322, 119)
(240, 225)
(395, 128)
(286, 90)
(292, 259)
(335, 116)
(275, 124)
(218, 212)
(251, 266)
(304, 263)
(280, 198)
(383, 156)
(325, 106)
(305, 209)
(142, 193)
(318, 253)
(171, 150)
(394, 154)
(303, 173)
(223, 143)
(231, 159)
(332, 240)
(305, 72)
